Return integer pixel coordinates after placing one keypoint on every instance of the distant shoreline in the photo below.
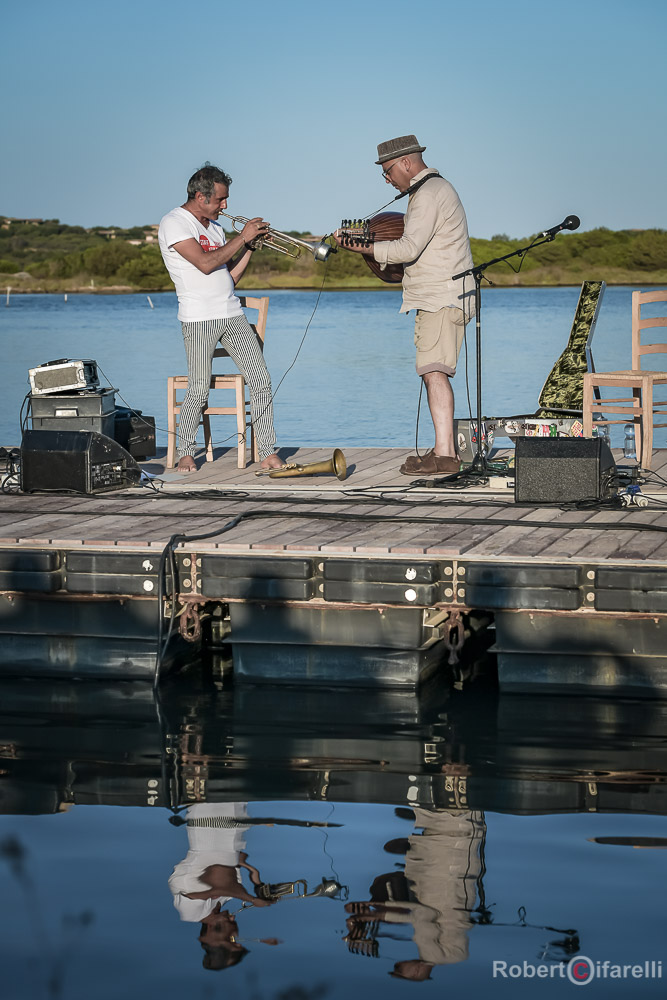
(43, 257)
(128, 290)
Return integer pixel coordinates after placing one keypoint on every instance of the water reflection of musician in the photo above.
(436, 893)
(209, 877)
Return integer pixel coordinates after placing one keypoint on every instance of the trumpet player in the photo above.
(205, 267)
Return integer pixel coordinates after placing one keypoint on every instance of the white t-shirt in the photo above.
(208, 845)
(200, 296)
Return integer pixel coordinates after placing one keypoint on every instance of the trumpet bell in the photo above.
(339, 464)
(322, 250)
(335, 464)
(293, 247)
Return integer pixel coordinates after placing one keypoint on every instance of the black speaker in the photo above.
(562, 470)
(82, 461)
(135, 432)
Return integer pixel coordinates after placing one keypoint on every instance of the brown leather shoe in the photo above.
(430, 464)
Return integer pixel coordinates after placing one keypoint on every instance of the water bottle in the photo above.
(603, 432)
(629, 442)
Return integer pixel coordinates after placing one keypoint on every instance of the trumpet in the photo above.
(335, 464)
(281, 242)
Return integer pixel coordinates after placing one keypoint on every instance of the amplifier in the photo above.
(135, 432)
(63, 376)
(562, 470)
(82, 461)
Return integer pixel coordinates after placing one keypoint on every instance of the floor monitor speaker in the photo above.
(81, 461)
(562, 470)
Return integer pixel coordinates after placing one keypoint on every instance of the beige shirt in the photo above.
(442, 867)
(434, 246)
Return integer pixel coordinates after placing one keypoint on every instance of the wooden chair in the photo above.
(641, 408)
(177, 387)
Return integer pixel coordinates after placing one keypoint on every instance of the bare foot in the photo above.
(186, 464)
(271, 462)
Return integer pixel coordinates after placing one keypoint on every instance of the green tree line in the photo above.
(51, 256)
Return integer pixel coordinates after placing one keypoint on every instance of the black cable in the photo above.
(650, 475)
(349, 498)
(467, 370)
(317, 302)
(419, 405)
(168, 555)
(23, 419)
(522, 257)
(387, 500)
(415, 519)
(134, 412)
(11, 485)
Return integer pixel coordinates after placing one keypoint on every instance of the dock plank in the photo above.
(307, 536)
(340, 534)
(416, 536)
(184, 505)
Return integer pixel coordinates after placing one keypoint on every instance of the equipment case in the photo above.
(80, 411)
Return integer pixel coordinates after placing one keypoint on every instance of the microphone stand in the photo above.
(479, 464)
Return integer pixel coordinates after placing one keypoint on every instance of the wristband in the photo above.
(249, 246)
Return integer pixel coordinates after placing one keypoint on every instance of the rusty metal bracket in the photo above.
(454, 635)
(189, 625)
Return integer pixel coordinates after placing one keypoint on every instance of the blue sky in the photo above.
(534, 111)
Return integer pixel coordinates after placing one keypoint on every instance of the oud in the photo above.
(365, 232)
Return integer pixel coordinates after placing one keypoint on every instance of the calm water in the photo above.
(445, 832)
(354, 382)
(474, 829)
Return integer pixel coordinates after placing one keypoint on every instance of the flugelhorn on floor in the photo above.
(335, 464)
(281, 242)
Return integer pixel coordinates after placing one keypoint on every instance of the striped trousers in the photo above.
(240, 341)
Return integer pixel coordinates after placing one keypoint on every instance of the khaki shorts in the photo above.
(438, 339)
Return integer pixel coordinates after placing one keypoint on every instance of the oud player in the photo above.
(434, 246)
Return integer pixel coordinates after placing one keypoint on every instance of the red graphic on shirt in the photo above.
(206, 244)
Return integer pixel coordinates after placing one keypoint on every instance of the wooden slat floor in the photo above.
(480, 524)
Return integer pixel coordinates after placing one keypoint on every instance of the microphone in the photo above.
(572, 222)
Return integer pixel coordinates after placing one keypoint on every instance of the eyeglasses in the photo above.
(385, 173)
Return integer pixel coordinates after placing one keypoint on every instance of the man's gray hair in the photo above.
(205, 179)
